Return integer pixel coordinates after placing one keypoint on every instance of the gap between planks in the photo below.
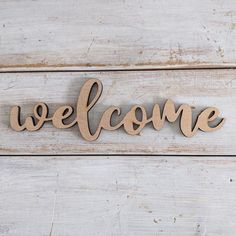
(118, 69)
(113, 155)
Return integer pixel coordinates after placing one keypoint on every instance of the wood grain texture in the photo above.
(106, 34)
(199, 88)
(122, 196)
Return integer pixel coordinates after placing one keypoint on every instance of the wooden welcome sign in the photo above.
(131, 123)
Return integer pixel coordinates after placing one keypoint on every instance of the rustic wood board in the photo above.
(119, 185)
(199, 88)
(149, 195)
(82, 35)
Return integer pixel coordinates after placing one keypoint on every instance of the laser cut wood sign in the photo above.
(131, 123)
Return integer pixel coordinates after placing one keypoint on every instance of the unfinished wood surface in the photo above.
(198, 88)
(132, 123)
(106, 34)
(123, 196)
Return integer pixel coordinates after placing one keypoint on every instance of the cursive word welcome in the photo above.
(131, 123)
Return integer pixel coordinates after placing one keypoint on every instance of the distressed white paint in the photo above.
(61, 196)
(199, 88)
(105, 34)
(118, 195)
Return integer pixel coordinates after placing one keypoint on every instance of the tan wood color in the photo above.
(85, 103)
(104, 195)
(122, 90)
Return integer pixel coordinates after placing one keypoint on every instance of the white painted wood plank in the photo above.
(106, 34)
(199, 88)
(70, 196)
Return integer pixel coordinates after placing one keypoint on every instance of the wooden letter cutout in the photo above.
(131, 124)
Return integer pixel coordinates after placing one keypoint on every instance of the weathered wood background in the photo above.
(102, 34)
(54, 183)
(199, 88)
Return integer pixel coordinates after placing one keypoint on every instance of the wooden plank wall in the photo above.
(199, 88)
(118, 195)
(54, 183)
(72, 34)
